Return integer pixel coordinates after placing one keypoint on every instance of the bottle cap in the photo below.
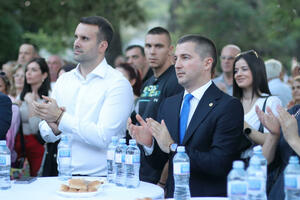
(122, 141)
(3, 142)
(238, 164)
(257, 148)
(180, 149)
(114, 138)
(132, 141)
(294, 160)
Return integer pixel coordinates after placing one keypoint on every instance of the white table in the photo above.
(46, 189)
(207, 198)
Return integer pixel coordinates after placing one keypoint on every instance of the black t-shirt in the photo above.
(155, 90)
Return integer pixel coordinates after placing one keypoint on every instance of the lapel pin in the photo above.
(210, 104)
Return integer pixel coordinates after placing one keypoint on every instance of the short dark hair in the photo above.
(159, 31)
(105, 28)
(204, 46)
(45, 87)
(133, 74)
(35, 47)
(258, 71)
(136, 46)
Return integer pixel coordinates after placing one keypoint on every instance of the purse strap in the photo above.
(261, 127)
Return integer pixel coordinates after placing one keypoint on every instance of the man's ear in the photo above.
(208, 62)
(103, 45)
(171, 48)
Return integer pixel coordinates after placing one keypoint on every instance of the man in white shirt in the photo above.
(92, 102)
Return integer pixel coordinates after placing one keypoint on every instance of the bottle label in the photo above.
(118, 158)
(256, 185)
(110, 155)
(130, 159)
(237, 188)
(181, 168)
(4, 160)
(64, 153)
(292, 182)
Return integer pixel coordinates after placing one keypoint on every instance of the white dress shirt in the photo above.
(97, 108)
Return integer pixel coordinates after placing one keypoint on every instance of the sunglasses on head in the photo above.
(2, 74)
(253, 52)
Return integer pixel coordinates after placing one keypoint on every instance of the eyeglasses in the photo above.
(253, 52)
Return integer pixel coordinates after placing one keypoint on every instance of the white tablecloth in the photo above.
(46, 189)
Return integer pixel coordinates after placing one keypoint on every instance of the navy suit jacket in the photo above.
(211, 141)
(5, 115)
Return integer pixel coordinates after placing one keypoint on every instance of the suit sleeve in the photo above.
(5, 115)
(226, 127)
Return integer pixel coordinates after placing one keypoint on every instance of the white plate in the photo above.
(82, 194)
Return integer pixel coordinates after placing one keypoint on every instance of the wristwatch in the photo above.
(173, 147)
(247, 131)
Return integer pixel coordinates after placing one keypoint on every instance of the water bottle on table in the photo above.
(4, 166)
(237, 182)
(257, 151)
(120, 163)
(132, 162)
(292, 179)
(256, 180)
(111, 172)
(64, 157)
(181, 171)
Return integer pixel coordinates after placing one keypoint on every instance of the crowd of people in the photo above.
(160, 95)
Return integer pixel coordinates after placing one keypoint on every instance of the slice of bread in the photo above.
(79, 184)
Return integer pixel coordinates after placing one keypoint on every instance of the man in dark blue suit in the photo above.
(213, 126)
(5, 115)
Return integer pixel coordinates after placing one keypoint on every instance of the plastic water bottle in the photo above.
(120, 163)
(4, 166)
(292, 179)
(256, 180)
(111, 172)
(237, 182)
(64, 157)
(257, 151)
(132, 161)
(181, 170)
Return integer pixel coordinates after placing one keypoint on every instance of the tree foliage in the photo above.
(270, 27)
(51, 23)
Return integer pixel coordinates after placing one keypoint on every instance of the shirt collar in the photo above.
(100, 70)
(198, 93)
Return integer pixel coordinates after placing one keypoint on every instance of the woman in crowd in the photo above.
(295, 92)
(17, 81)
(37, 83)
(282, 142)
(133, 77)
(250, 85)
(65, 68)
(15, 121)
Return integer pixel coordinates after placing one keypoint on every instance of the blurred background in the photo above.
(271, 27)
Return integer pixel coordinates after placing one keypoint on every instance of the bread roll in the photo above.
(78, 184)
